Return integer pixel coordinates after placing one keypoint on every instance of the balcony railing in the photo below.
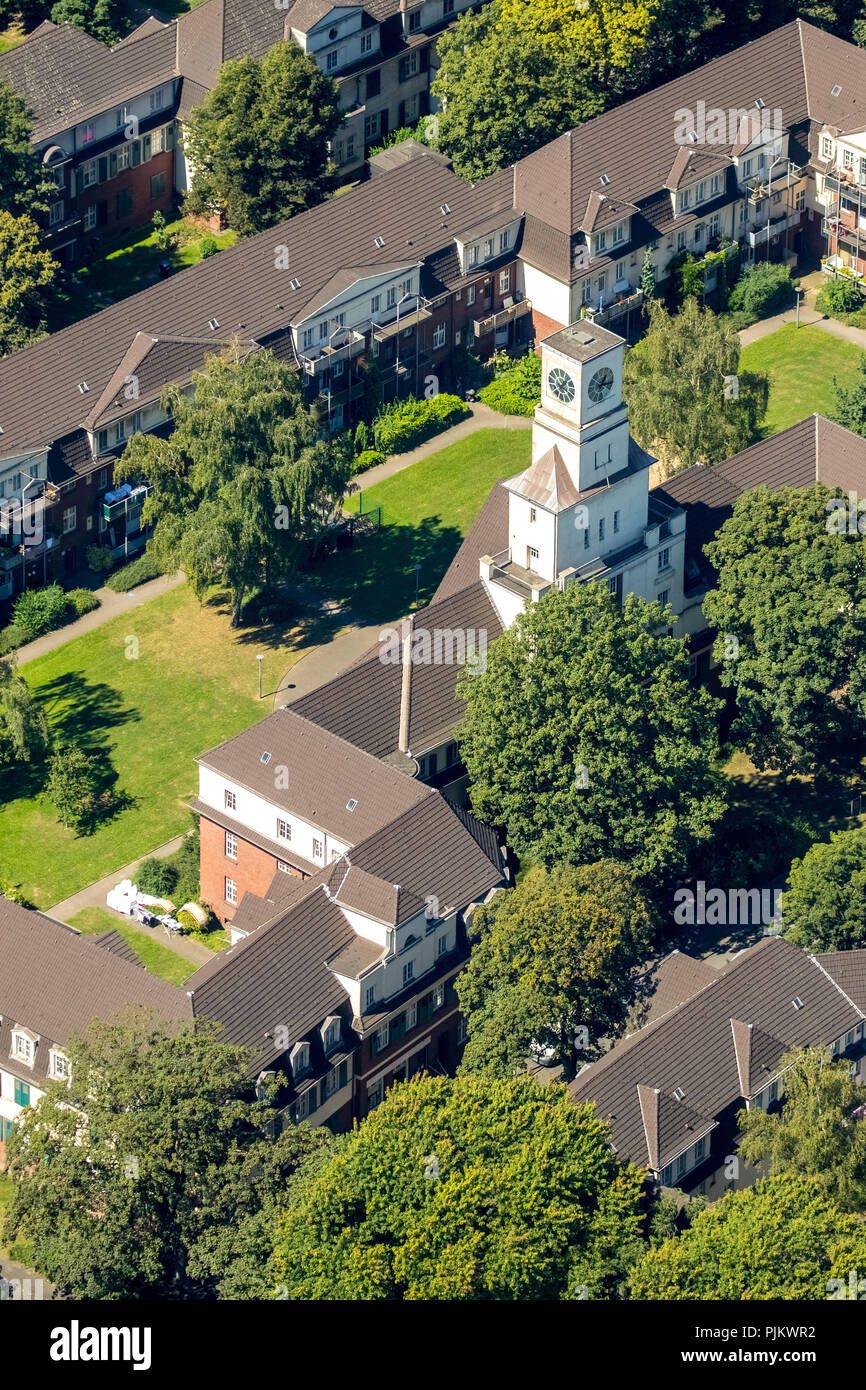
(608, 312)
(491, 322)
(341, 349)
(114, 509)
(761, 235)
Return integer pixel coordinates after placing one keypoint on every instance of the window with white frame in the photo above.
(55, 212)
(473, 255)
(442, 945)
(619, 232)
(375, 1093)
(59, 1065)
(371, 125)
(504, 238)
(408, 972)
(70, 518)
(827, 147)
(22, 1048)
(366, 43)
(283, 867)
(440, 334)
(231, 846)
(231, 800)
(231, 891)
(332, 59)
(332, 1032)
(369, 996)
(381, 1038)
(462, 1031)
(90, 218)
(505, 280)
(284, 830)
(470, 295)
(664, 557)
(318, 849)
(299, 1058)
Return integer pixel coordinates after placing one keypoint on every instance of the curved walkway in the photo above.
(809, 315)
(111, 605)
(481, 418)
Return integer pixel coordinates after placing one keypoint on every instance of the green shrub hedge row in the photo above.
(401, 425)
(136, 572)
(38, 611)
(517, 390)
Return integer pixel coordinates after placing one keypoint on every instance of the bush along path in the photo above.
(111, 605)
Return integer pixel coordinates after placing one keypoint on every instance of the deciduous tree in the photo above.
(823, 909)
(258, 145)
(26, 272)
(551, 965)
(790, 608)
(585, 739)
(23, 730)
(464, 1189)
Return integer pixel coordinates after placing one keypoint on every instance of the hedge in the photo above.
(370, 458)
(82, 601)
(517, 390)
(136, 572)
(839, 297)
(402, 425)
(762, 290)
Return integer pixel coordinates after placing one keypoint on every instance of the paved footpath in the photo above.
(482, 418)
(94, 896)
(111, 605)
(809, 316)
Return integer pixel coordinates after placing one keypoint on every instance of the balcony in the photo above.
(115, 506)
(609, 313)
(513, 309)
(343, 347)
(382, 332)
(847, 182)
(762, 235)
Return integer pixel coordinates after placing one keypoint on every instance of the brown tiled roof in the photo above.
(54, 982)
(814, 450)
(355, 888)
(793, 68)
(240, 288)
(692, 1049)
(118, 946)
(671, 982)
(363, 703)
(66, 76)
(324, 773)
(669, 1125)
(276, 977)
(485, 538)
(848, 970)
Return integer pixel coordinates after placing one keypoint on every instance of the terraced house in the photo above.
(415, 265)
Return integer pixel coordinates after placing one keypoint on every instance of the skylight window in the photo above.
(444, 209)
(604, 180)
(83, 387)
(379, 241)
(836, 91)
(351, 804)
(294, 284)
(213, 324)
(266, 757)
(798, 1003)
(760, 103)
(679, 1094)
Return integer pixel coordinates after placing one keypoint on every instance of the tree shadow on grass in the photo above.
(376, 578)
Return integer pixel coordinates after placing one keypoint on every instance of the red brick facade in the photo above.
(252, 871)
(543, 328)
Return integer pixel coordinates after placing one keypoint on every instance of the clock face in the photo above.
(600, 384)
(561, 384)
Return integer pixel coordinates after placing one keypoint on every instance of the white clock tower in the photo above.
(582, 509)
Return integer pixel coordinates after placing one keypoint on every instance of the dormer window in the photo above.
(473, 255)
(299, 1059)
(332, 1033)
(23, 1048)
(59, 1066)
(414, 21)
(488, 248)
(685, 199)
(619, 232)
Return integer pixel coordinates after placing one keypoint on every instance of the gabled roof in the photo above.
(692, 1047)
(66, 76)
(546, 482)
(39, 396)
(55, 981)
(154, 363)
(669, 1125)
(691, 161)
(355, 888)
(848, 970)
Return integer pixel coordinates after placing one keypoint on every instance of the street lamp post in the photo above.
(798, 290)
(260, 659)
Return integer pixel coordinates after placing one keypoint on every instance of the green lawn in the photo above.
(801, 364)
(193, 684)
(426, 511)
(155, 957)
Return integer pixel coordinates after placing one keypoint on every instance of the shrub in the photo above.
(516, 391)
(14, 893)
(38, 611)
(402, 425)
(370, 458)
(99, 558)
(10, 638)
(81, 601)
(839, 297)
(763, 289)
(157, 878)
(136, 572)
(362, 437)
(184, 863)
(207, 247)
(187, 921)
(265, 607)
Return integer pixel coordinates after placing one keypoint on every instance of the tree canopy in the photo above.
(687, 400)
(790, 608)
(781, 1239)
(244, 483)
(823, 909)
(25, 185)
(464, 1189)
(849, 406)
(23, 728)
(258, 145)
(124, 1178)
(815, 1131)
(585, 739)
(505, 92)
(26, 273)
(551, 965)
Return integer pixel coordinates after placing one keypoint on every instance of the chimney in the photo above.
(406, 686)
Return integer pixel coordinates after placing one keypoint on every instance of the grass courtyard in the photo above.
(194, 681)
(801, 364)
(156, 958)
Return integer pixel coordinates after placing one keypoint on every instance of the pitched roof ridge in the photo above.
(815, 961)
